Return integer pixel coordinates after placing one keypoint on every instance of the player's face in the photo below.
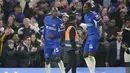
(86, 8)
(54, 12)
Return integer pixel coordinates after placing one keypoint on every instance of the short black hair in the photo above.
(72, 17)
(26, 37)
(88, 5)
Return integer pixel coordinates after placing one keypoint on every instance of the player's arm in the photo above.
(61, 30)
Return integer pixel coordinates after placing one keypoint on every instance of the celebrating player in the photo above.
(92, 20)
(53, 31)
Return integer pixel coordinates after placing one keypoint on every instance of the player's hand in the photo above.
(77, 52)
(124, 46)
(50, 36)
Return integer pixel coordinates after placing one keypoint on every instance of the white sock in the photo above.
(61, 65)
(47, 67)
(91, 62)
(87, 60)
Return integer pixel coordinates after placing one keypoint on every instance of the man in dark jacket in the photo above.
(10, 55)
(72, 50)
(25, 51)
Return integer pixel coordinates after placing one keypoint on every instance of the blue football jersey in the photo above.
(54, 27)
(92, 20)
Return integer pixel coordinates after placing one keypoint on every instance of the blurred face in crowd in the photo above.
(64, 3)
(11, 44)
(16, 38)
(1, 2)
(54, 12)
(78, 17)
(122, 15)
(128, 23)
(26, 22)
(28, 41)
(10, 20)
(1, 24)
(18, 9)
(65, 18)
(123, 8)
(58, 3)
(104, 11)
(105, 19)
(33, 20)
(119, 37)
(79, 6)
(86, 7)
(33, 37)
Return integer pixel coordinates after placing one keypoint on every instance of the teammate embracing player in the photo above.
(92, 20)
(53, 31)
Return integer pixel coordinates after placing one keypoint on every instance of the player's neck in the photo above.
(53, 17)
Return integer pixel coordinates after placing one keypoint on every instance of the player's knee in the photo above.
(47, 61)
(58, 59)
(92, 54)
(85, 55)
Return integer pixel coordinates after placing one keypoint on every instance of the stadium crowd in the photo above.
(22, 24)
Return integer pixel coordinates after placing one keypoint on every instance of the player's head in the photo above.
(87, 7)
(54, 11)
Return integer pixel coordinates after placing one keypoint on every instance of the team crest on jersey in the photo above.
(54, 25)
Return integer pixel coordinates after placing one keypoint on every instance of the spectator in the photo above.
(25, 30)
(115, 57)
(36, 58)
(17, 14)
(65, 18)
(10, 55)
(16, 40)
(25, 50)
(34, 25)
(2, 38)
(12, 25)
(111, 31)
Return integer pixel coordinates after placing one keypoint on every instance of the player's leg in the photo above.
(47, 59)
(89, 53)
(58, 59)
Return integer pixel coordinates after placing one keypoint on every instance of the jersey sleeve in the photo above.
(97, 19)
(61, 29)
